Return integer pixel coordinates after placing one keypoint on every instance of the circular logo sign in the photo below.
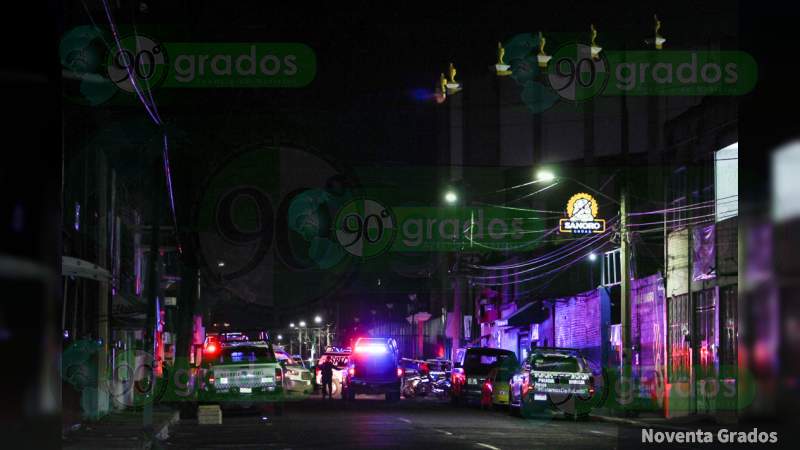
(575, 75)
(140, 57)
(131, 379)
(82, 51)
(365, 228)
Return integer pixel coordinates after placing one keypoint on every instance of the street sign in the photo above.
(582, 212)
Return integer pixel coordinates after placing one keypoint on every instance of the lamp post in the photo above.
(318, 329)
(301, 325)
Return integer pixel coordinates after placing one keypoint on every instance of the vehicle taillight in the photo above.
(591, 385)
(318, 372)
(399, 372)
(211, 379)
(351, 371)
(278, 375)
(525, 386)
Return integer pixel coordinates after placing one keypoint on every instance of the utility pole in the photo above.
(625, 284)
(153, 282)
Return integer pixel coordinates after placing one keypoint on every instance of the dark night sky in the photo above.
(375, 64)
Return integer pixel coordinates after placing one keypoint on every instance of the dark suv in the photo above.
(373, 369)
(471, 367)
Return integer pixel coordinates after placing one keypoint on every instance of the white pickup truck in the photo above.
(244, 374)
(340, 361)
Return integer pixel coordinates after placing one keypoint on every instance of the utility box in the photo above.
(209, 415)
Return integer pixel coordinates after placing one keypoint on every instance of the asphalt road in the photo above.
(371, 423)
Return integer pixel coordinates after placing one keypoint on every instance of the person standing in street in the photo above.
(326, 372)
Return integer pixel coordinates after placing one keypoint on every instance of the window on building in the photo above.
(678, 197)
(611, 268)
(678, 339)
(726, 182)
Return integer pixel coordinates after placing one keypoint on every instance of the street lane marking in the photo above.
(490, 447)
(599, 432)
(404, 420)
(444, 431)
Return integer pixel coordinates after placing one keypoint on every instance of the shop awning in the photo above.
(531, 313)
(83, 269)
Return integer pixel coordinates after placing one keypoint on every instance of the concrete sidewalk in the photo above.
(122, 430)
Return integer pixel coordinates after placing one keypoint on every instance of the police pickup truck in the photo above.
(243, 374)
(373, 369)
(553, 379)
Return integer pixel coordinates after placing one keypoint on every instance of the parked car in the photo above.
(298, 379)
(242, 375)
(471, 367)
(373, 369)
(553, 379)
(496, 387)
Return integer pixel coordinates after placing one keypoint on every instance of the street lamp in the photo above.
(592, 256)
(291, 325)
(302, 323)
(317, 319)
(450, 197)
(280, 337)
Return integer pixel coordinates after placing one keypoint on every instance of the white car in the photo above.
(297, 378)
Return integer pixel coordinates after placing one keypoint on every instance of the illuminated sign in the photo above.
(582, 210)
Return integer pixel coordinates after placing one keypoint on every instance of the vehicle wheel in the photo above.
(392, 397)
(525, 410)
(279, 409)
(455, 400)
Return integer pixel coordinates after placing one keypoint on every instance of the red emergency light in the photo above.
(211, 348)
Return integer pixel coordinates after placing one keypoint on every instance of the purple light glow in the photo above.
(371, 348)
(77, 216)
